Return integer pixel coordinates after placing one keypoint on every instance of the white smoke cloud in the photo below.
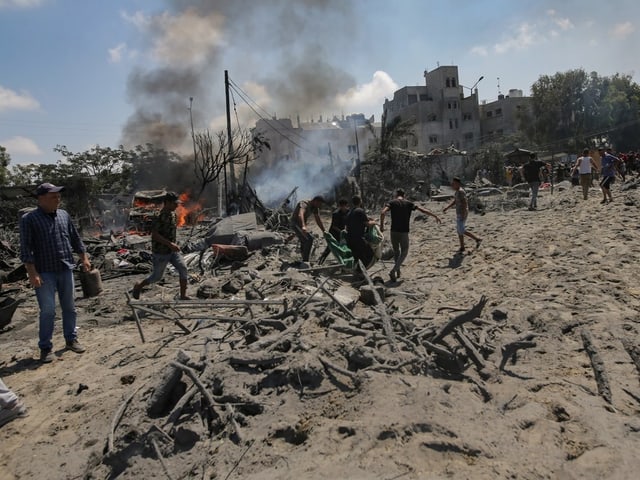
(367, 97)
(312, 175)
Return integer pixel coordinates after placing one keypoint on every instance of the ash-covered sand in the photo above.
(566, 272)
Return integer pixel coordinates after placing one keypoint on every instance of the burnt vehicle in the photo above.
(144, 206)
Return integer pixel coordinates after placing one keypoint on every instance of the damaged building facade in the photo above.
(503, 116)
(445, 118)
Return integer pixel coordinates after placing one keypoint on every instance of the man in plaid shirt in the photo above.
(48, 240)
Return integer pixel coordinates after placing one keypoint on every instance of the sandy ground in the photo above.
(561, 273)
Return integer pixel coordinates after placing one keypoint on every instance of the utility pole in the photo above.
(193, 136)
(358, 172)
(333, 170)
(232, 178)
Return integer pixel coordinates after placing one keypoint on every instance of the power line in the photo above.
(249, 101)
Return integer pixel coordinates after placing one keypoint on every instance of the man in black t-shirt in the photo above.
(356, 225)
(401, 210)
(531, 171)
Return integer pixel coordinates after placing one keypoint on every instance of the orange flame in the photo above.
(188, 212)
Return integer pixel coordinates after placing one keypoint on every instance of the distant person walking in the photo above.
(462, 212)
(585, 166)
(338, 218)
(532, 173)
(608, 168)
(48, 240)
(400, 209)
(299, 220)
(164, 247)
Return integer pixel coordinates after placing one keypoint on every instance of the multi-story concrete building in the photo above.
(503, 116)
(443, 115)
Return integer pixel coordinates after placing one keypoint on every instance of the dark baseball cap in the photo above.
(45, 188)
(172, 197)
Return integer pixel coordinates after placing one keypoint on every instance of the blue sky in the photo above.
(110, 72)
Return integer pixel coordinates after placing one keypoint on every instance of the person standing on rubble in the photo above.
(299, 219)
(48, 240)
(338, 218)
(401, 210)
(532, 173)
(164, 247)
(462, 212)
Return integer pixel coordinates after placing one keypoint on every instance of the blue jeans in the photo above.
(62, 282)
(160, 262)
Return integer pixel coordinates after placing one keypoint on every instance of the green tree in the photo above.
(152, 165)
(619, 112)
(558, 108)
(33, 173)
(109, 169)
(574, 109)
(5, 160)
(392, 135)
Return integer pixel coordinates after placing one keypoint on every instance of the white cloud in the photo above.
(524, 37)
(11, 100)
(115, 54)
(138, 19)
(480, 50)
(368, 97)
(21, 3)
(563, 23)
(529, 34)
(623, 29)
(21, 146)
